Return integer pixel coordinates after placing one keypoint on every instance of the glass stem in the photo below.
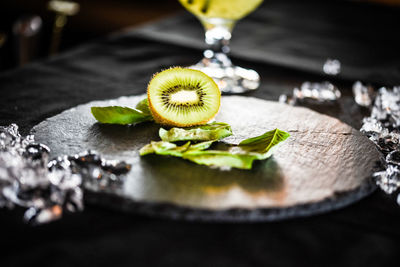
(217, 37)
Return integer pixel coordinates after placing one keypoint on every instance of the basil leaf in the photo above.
(220, 158)
(201, 145)
(265, 144)
(164, 148)
(120, 115)
(167, 148)
(207, 132)
(239, 156)
(242, 155)
(143, 106)
(147, 149)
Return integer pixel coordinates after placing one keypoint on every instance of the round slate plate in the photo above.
(324, 165)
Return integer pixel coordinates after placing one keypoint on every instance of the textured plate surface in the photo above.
(324, 165)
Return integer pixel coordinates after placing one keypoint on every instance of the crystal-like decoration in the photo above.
(324, 91)
(48, 188)
(363, 94)
(382, 127)
(332, 67)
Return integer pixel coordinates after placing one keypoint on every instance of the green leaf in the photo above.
(220, 158)
(164, 148)
(120, 115)
(239, 156)
(265, 144)
(201, 145)
(147, 149)
(143, 106)
(207, 132)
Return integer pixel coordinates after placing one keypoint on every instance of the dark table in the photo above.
(287, 42)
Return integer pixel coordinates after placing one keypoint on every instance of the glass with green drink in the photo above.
(219, 18)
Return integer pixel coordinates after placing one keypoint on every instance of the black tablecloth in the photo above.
(287, 43)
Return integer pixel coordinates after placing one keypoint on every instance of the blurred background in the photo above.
(35, 29)
(29, 28)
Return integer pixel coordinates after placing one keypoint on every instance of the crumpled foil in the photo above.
(316, 91)
(47, 188)
(383, 128)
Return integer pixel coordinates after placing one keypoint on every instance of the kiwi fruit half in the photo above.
(183, 97)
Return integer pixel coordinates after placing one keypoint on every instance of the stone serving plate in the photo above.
(324, 165)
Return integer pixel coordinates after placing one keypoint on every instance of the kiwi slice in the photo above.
(183, 97)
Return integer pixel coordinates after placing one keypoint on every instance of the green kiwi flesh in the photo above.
(183, 97)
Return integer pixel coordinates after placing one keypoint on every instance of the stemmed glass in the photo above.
(218, 18)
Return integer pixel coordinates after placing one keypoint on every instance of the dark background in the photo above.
(364, 234)
(96, 18)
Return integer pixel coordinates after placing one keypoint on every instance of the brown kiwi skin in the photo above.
(165, 122)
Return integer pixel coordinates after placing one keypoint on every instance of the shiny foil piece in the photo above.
(48, 188)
